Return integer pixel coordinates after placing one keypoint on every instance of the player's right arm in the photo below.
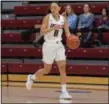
(44, 26)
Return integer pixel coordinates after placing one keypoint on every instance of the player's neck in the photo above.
(56, 17)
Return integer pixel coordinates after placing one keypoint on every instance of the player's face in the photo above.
(54, 9)
(68, 9)
(86, 8)
(104, 12)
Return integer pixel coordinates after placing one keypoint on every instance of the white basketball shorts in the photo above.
(53, 51)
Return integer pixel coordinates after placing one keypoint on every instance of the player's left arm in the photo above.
(66, 28)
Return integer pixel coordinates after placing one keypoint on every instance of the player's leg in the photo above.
(63, 77)
(62, 69)
(48, 59)
(61, 62)
(39, 73)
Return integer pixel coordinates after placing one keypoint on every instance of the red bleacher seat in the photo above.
(95, 8)
(24, 23)
(87, 69)
(71, 69)
(11, 37)
(105, 37)
(78, 8)
(3, 68)
(16, 37)
(88, 53)
(30, 10)
(37, 52)
(23, 52)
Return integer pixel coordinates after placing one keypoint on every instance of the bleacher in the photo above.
(42, 9)
(19, 57)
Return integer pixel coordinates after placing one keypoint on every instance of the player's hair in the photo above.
(57, 2)
(48, 11)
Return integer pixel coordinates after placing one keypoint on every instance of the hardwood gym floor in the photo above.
(50, 95)
(84, 91)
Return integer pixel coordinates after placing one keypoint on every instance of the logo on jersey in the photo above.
(59, 26)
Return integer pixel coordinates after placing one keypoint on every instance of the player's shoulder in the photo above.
(47, 16)
(61, 16)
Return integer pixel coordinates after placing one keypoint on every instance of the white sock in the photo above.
(63, 88)
(33, 77)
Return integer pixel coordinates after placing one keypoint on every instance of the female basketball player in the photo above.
(53, 49)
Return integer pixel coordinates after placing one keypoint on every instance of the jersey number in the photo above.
(56, 33)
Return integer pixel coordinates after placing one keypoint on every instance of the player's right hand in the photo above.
(57, 27)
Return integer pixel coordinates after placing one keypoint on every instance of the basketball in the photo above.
(73, 42)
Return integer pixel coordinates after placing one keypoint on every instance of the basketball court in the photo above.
(39, 94)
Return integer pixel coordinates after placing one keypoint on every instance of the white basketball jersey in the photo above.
(55, 35)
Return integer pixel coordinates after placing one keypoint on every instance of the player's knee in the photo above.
(62, 67)
(47, 70)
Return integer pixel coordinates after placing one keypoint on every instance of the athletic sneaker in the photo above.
(65, 95)
(29, 82)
